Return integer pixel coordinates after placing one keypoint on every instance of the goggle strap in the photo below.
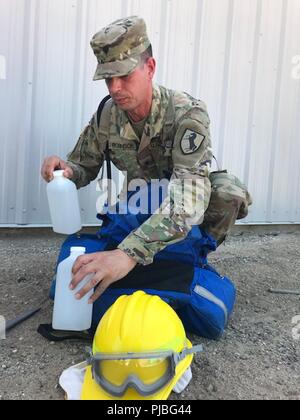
(178, 356)
(89, 355)
(192, 350)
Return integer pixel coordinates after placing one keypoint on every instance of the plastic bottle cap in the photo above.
(78, 249)
(58, 173)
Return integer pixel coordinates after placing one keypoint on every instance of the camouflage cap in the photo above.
(118, 47)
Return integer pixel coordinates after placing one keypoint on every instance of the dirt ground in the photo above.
(258, 357)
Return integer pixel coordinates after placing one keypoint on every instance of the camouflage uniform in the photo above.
(175, 144)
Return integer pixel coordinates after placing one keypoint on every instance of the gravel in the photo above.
(257, 358)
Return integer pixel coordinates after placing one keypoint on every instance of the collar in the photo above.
(154, 122)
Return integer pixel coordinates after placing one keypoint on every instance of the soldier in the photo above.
(152, 133)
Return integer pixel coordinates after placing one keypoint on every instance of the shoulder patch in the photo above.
(191, 141)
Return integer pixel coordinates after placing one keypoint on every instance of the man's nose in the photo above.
(114, 84)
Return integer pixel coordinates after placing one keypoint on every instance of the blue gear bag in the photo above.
(179, 274)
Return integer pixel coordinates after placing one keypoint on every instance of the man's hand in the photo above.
(53, 163)
(107, 267)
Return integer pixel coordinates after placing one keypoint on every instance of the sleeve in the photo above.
(87, 157)
(188, 192)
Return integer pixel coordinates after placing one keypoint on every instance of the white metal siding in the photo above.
(236, 55)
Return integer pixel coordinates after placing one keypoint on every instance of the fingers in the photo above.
(99, 291)
(81, 261)
(102, 269)
(81, 274)
(90, 285)
(68, 173)
(51, 164)
(48, 168)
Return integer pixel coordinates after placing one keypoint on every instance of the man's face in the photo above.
(129, 92)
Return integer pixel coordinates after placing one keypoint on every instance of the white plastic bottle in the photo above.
(69, 313)
(64, 204)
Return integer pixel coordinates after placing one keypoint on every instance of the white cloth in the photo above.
(183, 381)
(71, 381)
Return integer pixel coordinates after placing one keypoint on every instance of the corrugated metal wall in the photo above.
(240, 56)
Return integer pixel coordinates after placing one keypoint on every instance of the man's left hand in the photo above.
(107, 267)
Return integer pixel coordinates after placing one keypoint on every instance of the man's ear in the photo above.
(151, 67)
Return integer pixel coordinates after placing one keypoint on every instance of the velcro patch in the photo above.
(191, 141)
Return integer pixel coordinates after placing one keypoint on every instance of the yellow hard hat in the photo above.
(140, 351)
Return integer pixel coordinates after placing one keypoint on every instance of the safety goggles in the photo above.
(147, 373)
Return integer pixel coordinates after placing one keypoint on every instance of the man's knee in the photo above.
(228, 192)
(229, 201)
(244, 206)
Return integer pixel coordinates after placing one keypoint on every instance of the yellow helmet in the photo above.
(140, 351)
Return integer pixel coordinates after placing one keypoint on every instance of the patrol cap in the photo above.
(118, 46)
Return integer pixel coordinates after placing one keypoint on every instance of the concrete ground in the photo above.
(258, 357)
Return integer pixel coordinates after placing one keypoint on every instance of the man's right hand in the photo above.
(53, 163)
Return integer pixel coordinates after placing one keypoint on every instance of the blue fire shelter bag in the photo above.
(180, 275)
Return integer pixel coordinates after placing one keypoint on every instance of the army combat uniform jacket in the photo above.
(175, 144)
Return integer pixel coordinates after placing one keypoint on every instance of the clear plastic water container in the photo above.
(64, 204)
(70, 314)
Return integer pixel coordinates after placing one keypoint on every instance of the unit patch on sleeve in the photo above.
(191, 142)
